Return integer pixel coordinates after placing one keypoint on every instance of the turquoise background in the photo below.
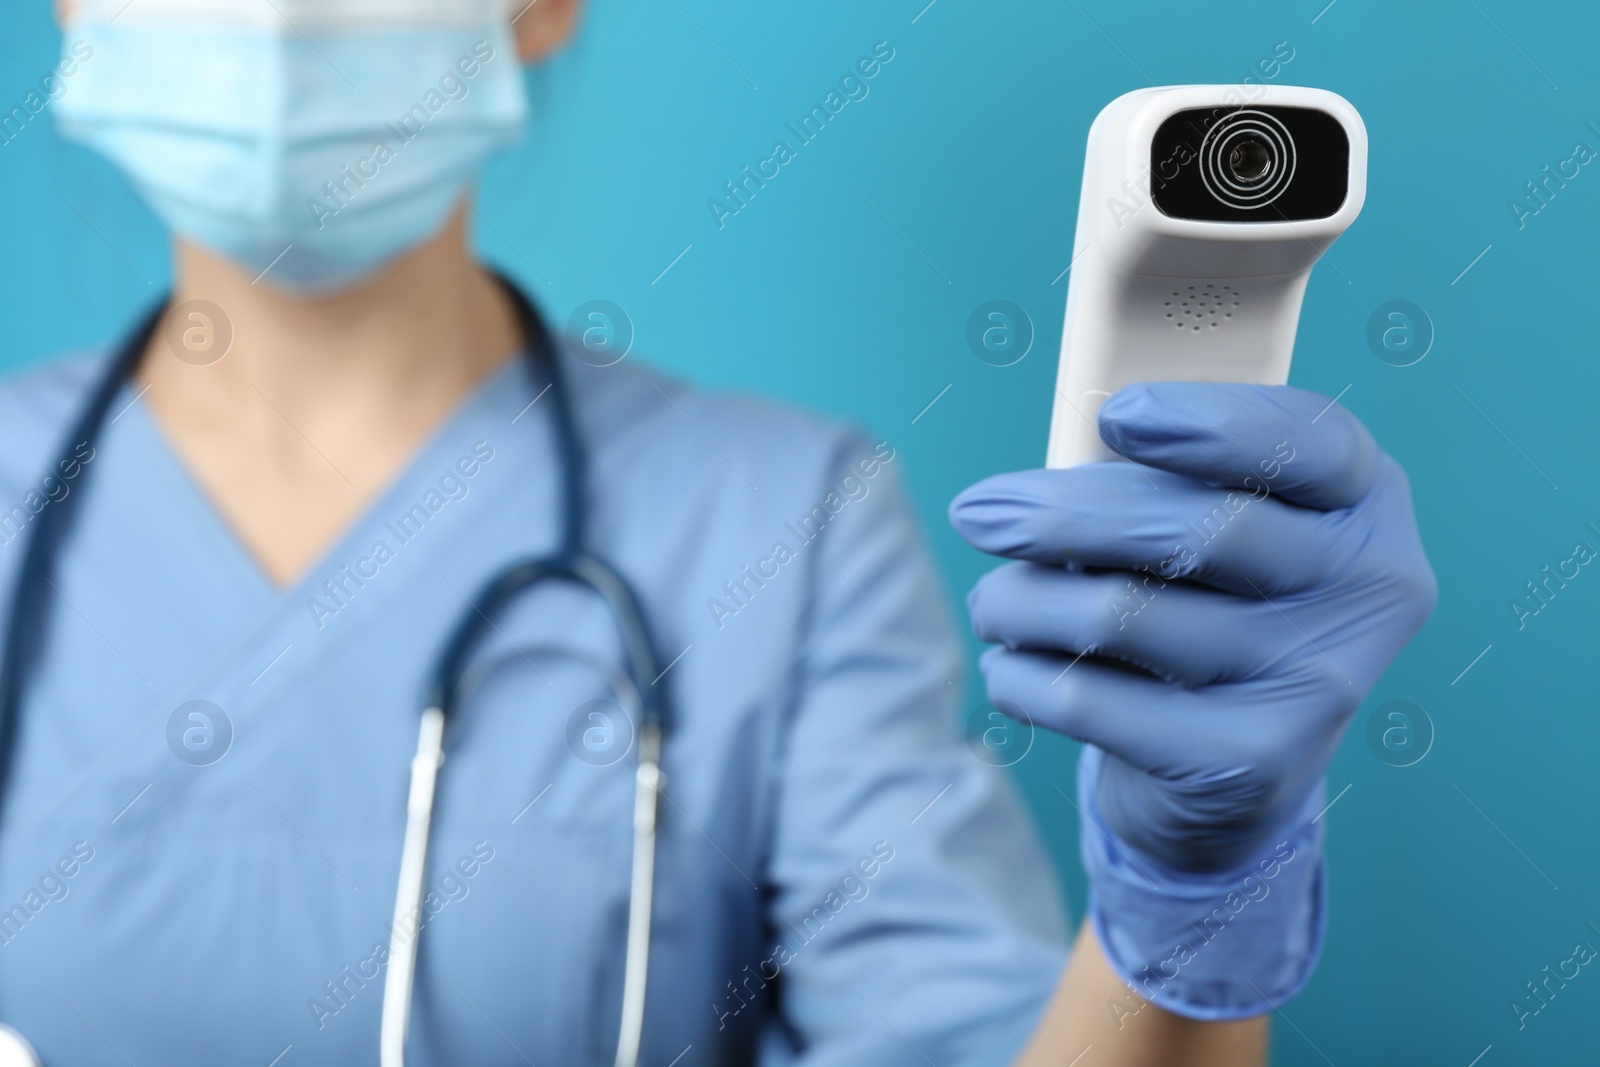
(1445, 874)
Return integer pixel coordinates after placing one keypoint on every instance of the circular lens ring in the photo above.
(1242, 192)
(1239, 127)
(1218, 145)
(1275, 146)
(1248, 191)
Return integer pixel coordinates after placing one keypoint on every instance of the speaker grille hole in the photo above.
(1197, 307)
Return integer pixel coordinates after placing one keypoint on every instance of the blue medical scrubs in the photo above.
(200, 842)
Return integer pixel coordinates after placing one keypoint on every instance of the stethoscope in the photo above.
(637, 686)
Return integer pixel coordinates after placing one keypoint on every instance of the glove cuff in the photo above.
(1206, 946)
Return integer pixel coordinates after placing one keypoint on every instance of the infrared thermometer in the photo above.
(1200, 220)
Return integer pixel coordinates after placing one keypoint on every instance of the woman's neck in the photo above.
(318, 402)
(415, 338)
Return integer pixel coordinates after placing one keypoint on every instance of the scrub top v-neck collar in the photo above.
(200, 509)
(277, 634)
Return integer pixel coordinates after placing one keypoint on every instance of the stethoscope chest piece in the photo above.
(15, 1050)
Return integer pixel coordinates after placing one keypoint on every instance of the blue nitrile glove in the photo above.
(1233, 594)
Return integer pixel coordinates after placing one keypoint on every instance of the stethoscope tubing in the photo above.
(571, 563)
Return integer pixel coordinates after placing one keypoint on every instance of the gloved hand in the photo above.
(1209, 615)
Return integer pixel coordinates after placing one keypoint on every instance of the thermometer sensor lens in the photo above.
(1250, 161)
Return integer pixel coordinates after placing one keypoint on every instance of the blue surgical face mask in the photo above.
(312, 142)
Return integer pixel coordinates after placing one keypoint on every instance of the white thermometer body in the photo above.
(1198, 226)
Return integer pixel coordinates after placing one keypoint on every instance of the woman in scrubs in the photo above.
(331, 441)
